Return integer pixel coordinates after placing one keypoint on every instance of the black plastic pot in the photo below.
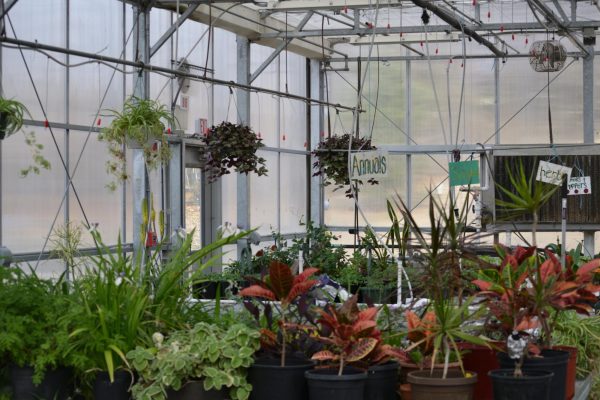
(326, 384)
(378, 295)
(117, 390)
(382, 382)
(209, 290)
(56, 385)
(194, 390)
(533, 385)
(554, 361)
(271, 381)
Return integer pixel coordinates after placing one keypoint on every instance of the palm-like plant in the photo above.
(11, 116)
(526, 197)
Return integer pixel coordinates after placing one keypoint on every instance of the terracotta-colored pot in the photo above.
(456, 386)
(481, 359)
(405, 391)
(406, 367)
(571, 369)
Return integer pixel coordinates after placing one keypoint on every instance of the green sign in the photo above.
(464, 173)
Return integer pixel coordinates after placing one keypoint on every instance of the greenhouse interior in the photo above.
(299, 199)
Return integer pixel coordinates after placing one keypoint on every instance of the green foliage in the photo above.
(526, 196)
(217, 356)
(571, 329)
(351, 274)
(141, 121)
(39, 161)
(31, 334)
(332, 160)
(11, 116)
(120, 302)
(228, 146)
(319, 251)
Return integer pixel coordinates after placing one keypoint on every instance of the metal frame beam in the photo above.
(163, 39)
(279, 49)
(516, 26)
(7, 6)
(560, 10)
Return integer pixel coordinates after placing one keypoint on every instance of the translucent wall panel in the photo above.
(30, 204)
(293, 193)
(293, 124)
(477, 114)
(596, 101)
(48, 77)
(225, 65)
(371, 198)
(264, 206)
(520, 83)
(429, 174)
(385, 103)
(341, 89)
(264, 107)
(160, 85)
(96, 26)
(101, 205)
(44, 21)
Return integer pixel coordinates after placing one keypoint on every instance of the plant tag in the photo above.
(552, 173)
(369, 164)
(579, 185)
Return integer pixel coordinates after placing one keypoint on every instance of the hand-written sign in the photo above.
(369, 164)
(579, 185)
(464, 173)
(552, 173)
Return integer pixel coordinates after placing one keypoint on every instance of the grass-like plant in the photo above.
(11, 116)
(142, 123)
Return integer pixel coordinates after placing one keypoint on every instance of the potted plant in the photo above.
(230, 146)
(11, 116)
(282, 377)
(141, 125)
(358, 364)
(119, 303)
(32, 340)
(191, 363)
(521, 295)
(332, 160)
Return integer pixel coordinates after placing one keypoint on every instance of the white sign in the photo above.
(552, 173)
(369, 164)
(579, 185)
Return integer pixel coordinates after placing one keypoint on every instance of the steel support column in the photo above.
(497, 100)
(408, 129)
(588, 127)
(141, 89)
(243, 105)
(317, 87)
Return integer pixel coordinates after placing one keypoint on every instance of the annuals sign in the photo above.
(369, 164)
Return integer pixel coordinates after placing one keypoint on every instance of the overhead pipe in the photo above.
(456, 24)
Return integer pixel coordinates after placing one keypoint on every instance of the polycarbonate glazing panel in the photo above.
(42, 21)
(293, 73)
(101, 205)
(96, 26)
(48, 77)
(160, 21)
(341, 87)
(229, 198)
(371, 198)
(225, 65)
(263, 196)
(477, 114)
(519, 84)
(293, 193)
(385, 103)
(45, 269)
(95, 89)
(596, 101)
(193, 205)
(193, 40)
(30, 204)
(293, 125)
(429, 175)
(263, 109)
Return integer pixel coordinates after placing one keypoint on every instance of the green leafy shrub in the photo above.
(319, 251)
(30, 332)
(217, 356)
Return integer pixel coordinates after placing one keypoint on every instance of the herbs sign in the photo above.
(368, 164)
(552, 173)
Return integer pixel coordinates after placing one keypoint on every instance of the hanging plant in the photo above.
(230, 146)
(332, 161)
(11, 121)
(141, 125)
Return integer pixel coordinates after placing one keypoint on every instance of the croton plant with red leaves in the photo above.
(281, 285)
(527, 285)
(351, 336)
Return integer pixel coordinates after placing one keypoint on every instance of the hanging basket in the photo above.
(547, 56)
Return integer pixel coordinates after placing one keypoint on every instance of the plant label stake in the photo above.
(552, 173)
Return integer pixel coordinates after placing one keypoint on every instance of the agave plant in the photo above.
(280, 285)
